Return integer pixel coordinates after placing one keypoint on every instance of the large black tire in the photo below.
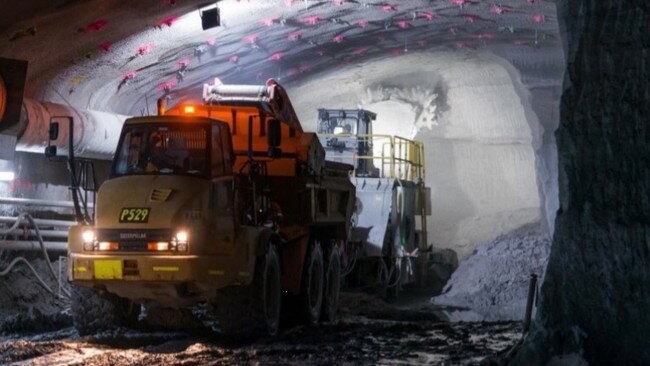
(311, 287)
(332, 285)
(93, 312)
(248, 312)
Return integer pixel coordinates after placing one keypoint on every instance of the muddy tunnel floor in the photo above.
(369, 332)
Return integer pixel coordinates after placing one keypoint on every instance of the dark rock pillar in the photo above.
(596, 294)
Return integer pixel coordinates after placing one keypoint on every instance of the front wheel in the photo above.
(93, 312)
(246, 312)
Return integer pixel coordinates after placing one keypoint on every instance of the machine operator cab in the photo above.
(190, 146)
(346, 135)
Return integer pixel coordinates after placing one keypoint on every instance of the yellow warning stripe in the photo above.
(81, 269)
(165, 269)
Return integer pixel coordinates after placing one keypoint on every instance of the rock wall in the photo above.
(596, 294)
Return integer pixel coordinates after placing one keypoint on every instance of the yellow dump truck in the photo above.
(228, 203)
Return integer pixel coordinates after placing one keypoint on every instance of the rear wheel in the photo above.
(246, 312)
(332, 285)
(311, 294)
(93, 312)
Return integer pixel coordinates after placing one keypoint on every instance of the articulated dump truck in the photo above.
(228, 203)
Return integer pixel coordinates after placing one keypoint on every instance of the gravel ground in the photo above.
(408, 333)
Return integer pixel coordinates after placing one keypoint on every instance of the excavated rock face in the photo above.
(596, 294)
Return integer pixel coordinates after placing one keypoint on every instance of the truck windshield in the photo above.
(163, 149)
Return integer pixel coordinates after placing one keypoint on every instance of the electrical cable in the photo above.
(30, 219)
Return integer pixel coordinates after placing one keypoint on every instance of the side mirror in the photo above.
(274, 136)
(50, 151)
(54, 131)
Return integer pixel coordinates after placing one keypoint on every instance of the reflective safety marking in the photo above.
(81, 269)
(108, 269)
(242, 273)
(215, 272)
(165, 269)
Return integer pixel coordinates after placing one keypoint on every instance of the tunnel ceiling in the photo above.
(121, 55)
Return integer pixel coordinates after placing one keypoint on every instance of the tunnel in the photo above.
(489, 204)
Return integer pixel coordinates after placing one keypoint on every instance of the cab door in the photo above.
(222, 200)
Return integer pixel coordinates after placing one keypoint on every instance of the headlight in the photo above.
(88, 236)
(181, 236)
(180, 241)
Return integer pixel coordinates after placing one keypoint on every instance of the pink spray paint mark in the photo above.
(234, 59)
(167, 21)
(428, 15)
(129, 75)
(381, 37)
(459, 2)
(362, 23)
(482, 36)
(403, 24)
(304, 67)
(360, 51)
(294, 36)
(96, 26)
(471, 18)
(251, 38)
(167, 85)
(293, 71)
(519, 42)
(539, 18)
(314, 19)
(105, 47)
(462, 44)
(144, 49)
(496, 9)
(453, 30)
(338, 2)
(338, 38)
(388, 8)
(397, 51)
(531, 1)
(289, 2)
(276, 56)
(211, 41)
(269, 21)
(184, 62)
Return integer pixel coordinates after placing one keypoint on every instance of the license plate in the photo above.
(135, 214)
(108, 269)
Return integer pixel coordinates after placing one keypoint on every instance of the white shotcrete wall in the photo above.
(474, 117)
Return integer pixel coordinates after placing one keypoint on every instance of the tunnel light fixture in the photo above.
(210, 16)
(7, 176)
(189, 109)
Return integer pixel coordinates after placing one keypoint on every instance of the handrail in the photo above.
(403, 160)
